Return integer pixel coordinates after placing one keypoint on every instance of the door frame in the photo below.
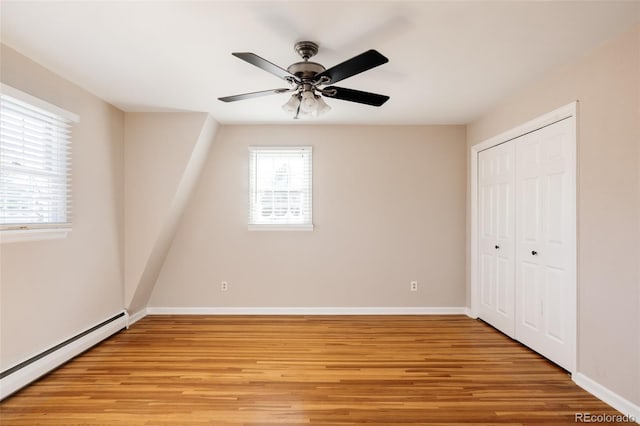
(569, 112)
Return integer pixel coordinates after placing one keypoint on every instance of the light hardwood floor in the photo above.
(218, 370)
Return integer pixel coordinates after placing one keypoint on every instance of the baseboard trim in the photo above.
(20, 375)
(305, 311)
(134, 318)
(621, 404)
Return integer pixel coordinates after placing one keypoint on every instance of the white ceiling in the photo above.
(449, 61)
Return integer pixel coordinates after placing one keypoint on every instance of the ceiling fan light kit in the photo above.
(307, 78)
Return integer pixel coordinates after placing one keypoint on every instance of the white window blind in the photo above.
(280, 188)
(35, 165)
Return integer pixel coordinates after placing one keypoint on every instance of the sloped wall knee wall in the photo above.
(164, 156)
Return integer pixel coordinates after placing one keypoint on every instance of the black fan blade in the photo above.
(363, 62)
(253, 95)
(262, 63)
(354, 96)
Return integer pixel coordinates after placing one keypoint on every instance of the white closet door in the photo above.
(496, 182)
(545, 248)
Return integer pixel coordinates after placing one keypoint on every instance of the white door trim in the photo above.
(567, 111)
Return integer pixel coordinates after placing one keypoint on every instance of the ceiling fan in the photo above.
(306, 79)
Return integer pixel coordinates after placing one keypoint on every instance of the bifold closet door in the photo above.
(496, 250)
(545, 242)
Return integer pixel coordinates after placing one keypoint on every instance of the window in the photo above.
(35, 163)
(280, 188)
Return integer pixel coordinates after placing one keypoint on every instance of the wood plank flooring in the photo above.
(324, 370)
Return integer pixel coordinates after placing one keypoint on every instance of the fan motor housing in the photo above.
(305, 70)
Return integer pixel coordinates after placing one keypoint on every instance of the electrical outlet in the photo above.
(224, 286)
(414, 285)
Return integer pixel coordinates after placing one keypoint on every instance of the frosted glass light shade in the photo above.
(308, 102)
(322, 106)
(292, 104)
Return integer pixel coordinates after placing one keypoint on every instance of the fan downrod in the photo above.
(306, 49)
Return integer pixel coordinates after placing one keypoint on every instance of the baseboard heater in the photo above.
(20, 375)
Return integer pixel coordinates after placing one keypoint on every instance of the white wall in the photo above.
(52, 290)
(389, 207)
(607, 85)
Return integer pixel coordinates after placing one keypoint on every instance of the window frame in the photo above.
(251, 191)
(10, 233)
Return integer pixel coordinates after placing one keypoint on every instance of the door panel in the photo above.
(497, 236)
(530, 204)
(555, 283)
(528, 290)
(505, 202)
(486, 274)
(545, 242)
(555, 213)
(504, 269)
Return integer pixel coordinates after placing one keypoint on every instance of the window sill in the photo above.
(8, 236)
(280, 227)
